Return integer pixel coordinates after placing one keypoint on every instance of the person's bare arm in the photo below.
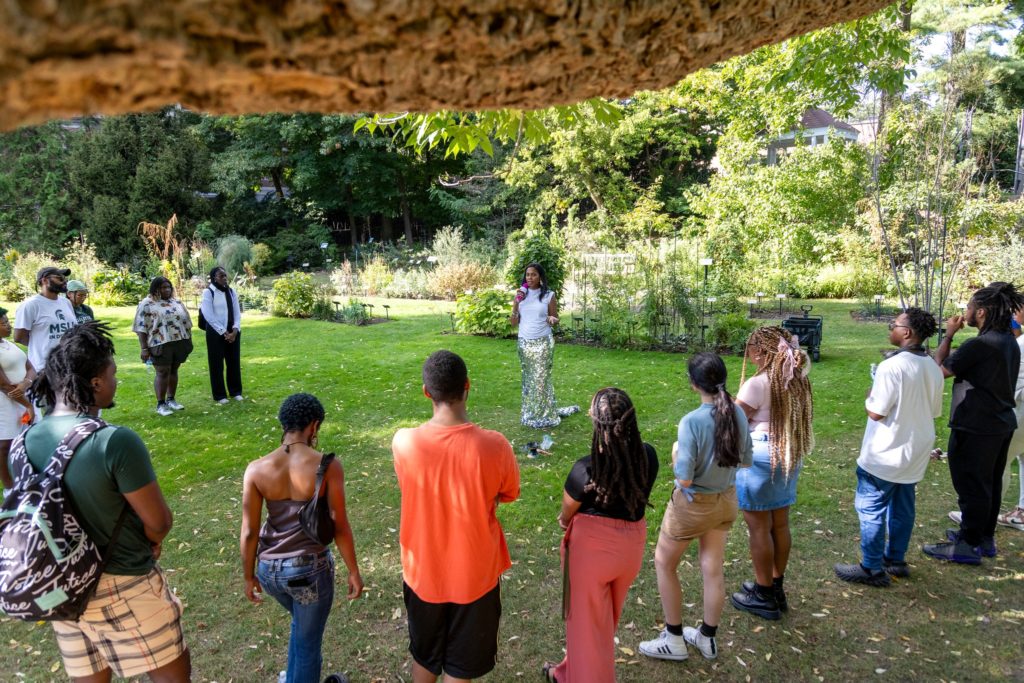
(343, 536)
(953, 325)
(875, 416)
(515, 313)
(747, 410)
(553, 311)
(21, 337)
(149, 504)
(569, 508)
(144, 344)
(252, 510)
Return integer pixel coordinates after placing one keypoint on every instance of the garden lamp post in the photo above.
(706, 262)
(711, 308)
(452, 316)
(751, 302)
(305, 266)
(878, 305)
(781, 298)
(323, 251)
(760, 295)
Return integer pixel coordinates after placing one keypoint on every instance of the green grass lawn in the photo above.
(944, 623)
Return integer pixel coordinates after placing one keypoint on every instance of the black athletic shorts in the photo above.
(459, 640)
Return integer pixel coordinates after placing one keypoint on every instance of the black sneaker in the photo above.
(900, 570)
(987, 548)
(780, 595)
(958, 552)
(755, 603)
(855, 573)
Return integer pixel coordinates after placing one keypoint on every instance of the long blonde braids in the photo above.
(791, 404)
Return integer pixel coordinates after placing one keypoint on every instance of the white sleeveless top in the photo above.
(533, 315)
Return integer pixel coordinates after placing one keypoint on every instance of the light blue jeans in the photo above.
(304, 586)
(883, 506)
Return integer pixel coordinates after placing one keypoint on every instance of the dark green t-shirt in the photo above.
(109, 463)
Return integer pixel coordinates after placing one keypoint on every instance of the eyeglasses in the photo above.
(893, 325)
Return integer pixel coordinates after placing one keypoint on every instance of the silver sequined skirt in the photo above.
(536, 356)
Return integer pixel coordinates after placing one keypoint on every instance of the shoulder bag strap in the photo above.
(321, 472)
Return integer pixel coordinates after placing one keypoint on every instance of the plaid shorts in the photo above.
(132, 625)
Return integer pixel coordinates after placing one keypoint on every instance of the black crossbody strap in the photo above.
(321, 472)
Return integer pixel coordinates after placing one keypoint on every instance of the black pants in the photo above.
(219, 353)
(976, 463)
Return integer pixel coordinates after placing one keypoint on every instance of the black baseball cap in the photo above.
(52, 270)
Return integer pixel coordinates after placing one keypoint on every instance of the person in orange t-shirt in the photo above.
(452, 475)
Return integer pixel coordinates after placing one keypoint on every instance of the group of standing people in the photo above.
(730, 455)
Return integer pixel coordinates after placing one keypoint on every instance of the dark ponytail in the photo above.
(82, 354)
(1000, 300)
(707, 372)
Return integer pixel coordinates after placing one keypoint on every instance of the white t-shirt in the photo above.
(46, 321)
(908, 392)
(533, 315)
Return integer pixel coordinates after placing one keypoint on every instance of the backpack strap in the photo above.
(22, 467)
(71, 441)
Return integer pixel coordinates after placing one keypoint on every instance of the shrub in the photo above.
(200, 260)
(536, 249)
(448, 245)
(459, 276)
(731, 331)
(233, 252)
(344, 279)
(118, 288)
(26, 267)
(82, 260)
(847, 281)
(353, 313)
(10, 290)
(323, 308)
(295, 295)
(251, 298)
(259, 257)
(486, 311)
(376, 275)
(412, 283)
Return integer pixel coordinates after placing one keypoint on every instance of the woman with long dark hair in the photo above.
(603, 506)
(222, 314)
(779, 407)
(293, 568)
(164, 328)
(535, 312)
(713, 442)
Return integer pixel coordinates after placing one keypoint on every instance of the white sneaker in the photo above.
(222, 401)
(665, 646)
(956, 516)
(238, 398)
(174, 405)
(706, 645)
(164, 409)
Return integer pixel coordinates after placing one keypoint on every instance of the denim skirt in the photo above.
(760, 487)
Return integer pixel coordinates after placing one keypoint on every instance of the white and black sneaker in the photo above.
(665, 646)
(174, 405)
(705, 644)
(163, 409)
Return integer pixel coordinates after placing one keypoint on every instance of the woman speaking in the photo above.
(535, 312)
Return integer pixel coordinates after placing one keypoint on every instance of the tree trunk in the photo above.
(407, 222)
(387, 229)
(352, 226)
(275, 175)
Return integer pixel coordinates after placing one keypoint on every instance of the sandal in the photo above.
(548, 670)
(1013, 519)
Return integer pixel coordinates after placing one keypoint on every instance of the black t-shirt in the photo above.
(985, 368)
(579, 476)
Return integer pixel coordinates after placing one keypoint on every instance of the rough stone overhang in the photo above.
(60, 58)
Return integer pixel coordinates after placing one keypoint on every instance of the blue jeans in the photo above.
(304, 586)
(881, 506)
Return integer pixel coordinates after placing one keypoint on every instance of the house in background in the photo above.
(816, 127)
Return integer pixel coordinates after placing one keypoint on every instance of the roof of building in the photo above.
(819, 118)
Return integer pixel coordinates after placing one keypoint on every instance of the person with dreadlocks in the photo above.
(132, 624)
(713, 443)
(603, 506)
(778, 404)
(981, 418)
